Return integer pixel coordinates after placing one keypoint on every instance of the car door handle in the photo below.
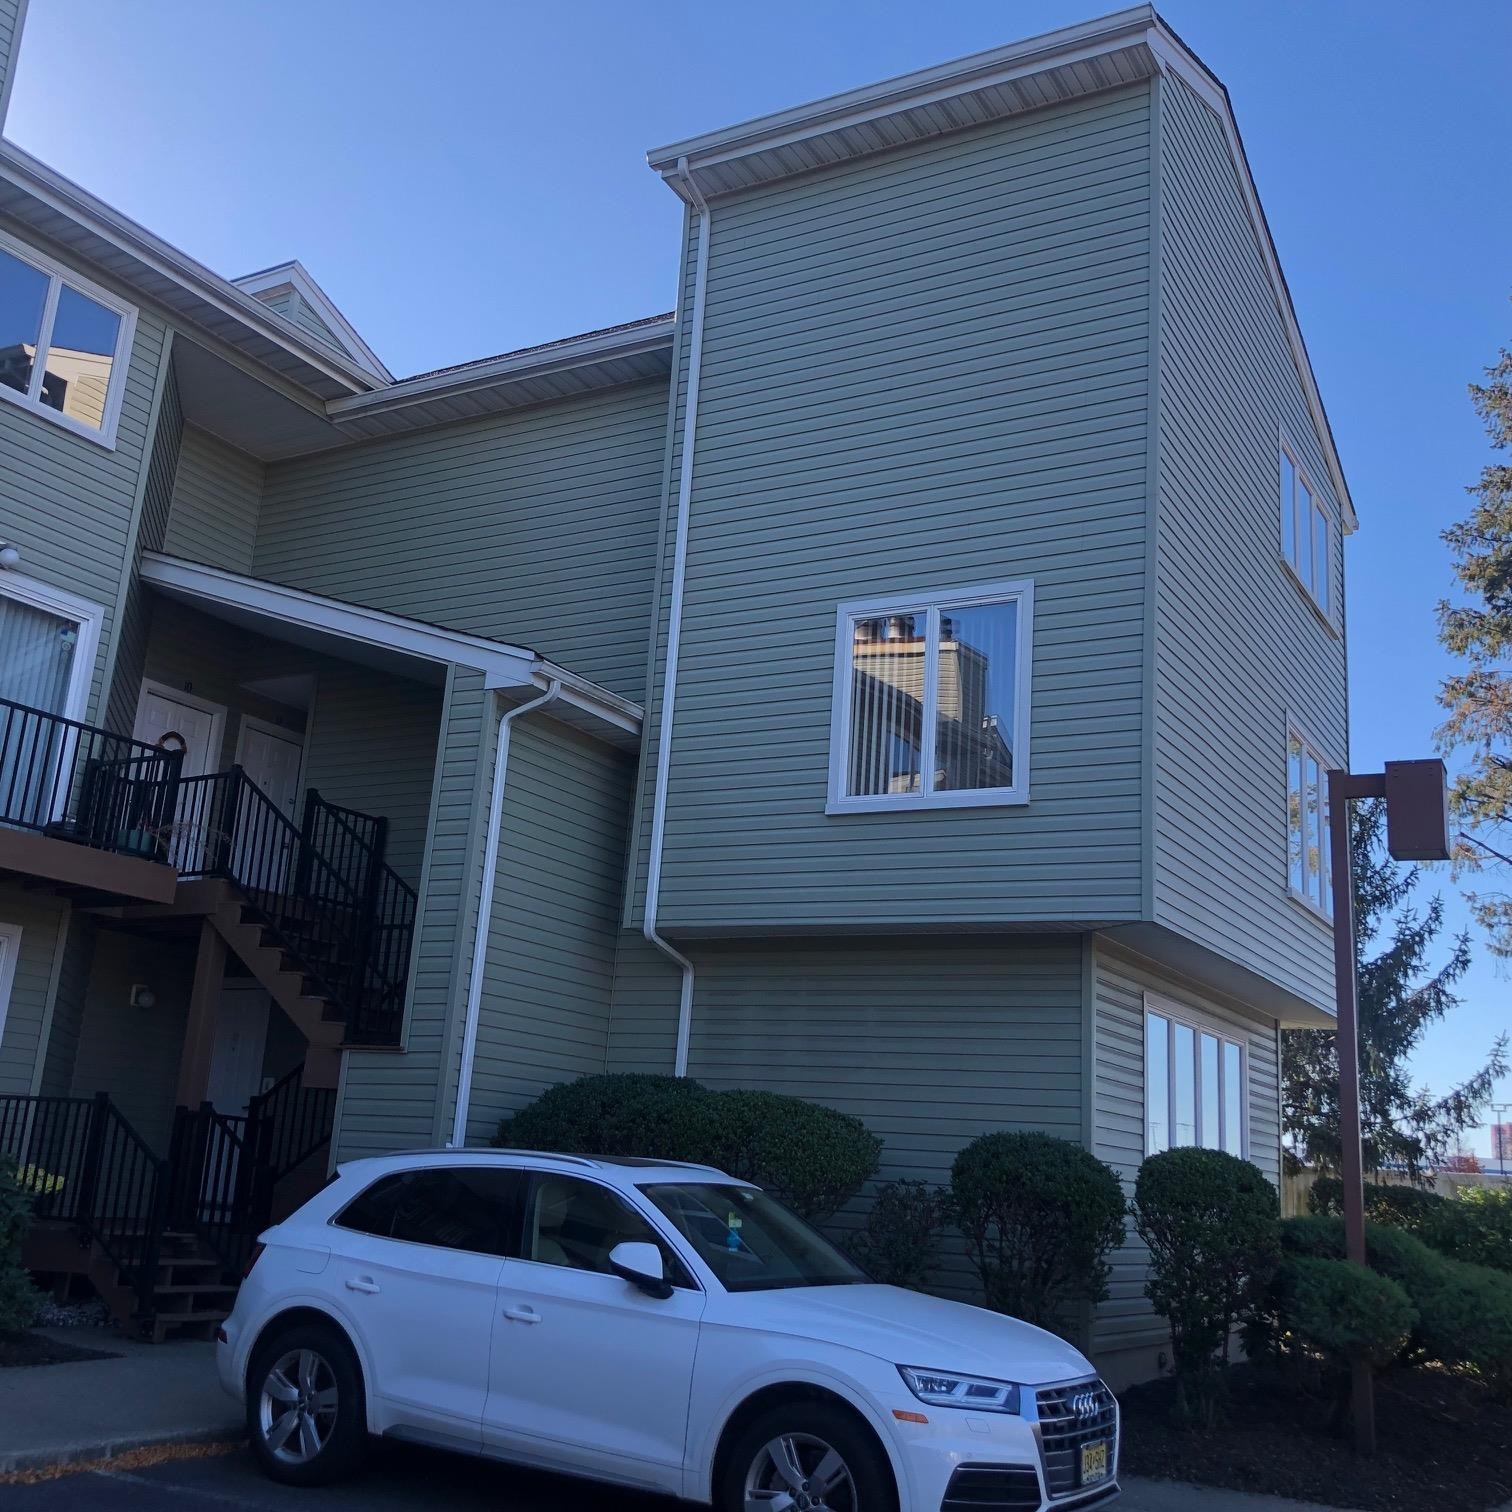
(364, 1284)
(522, 1314)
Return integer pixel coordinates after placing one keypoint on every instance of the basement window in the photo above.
(63, 343)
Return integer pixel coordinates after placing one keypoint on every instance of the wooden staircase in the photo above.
(286, 977)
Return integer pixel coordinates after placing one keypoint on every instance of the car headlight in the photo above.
(946, 1389)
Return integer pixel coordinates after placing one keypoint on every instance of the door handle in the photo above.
(364, 1284)
(522, 1314)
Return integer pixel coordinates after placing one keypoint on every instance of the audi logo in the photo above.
(1084, 1406)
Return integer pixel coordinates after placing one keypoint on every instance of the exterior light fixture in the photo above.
(10, 555)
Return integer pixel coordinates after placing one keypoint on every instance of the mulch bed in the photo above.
(1444, 1442)
(33, 1349)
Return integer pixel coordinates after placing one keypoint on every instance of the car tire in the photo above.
(820, 1450)
(306, 1412)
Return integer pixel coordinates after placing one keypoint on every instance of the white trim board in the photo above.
(84, 612)
(10, 935)
(297, 276)
(216, 711)
(506, 668)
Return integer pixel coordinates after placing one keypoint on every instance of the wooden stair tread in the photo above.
(170, 1320)
(188, 1290)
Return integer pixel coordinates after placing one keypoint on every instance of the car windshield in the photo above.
(749, 1240)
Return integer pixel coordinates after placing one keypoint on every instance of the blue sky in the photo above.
(468, 177)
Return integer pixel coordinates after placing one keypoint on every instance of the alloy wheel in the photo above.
(796, 1472)
(297, 1410)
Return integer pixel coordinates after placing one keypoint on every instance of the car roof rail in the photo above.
(576, 1160)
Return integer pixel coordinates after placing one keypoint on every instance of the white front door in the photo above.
(197, 725)
(241, 1039)
(272, 759)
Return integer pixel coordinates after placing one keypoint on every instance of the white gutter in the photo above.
(674, 631)
(485, 908)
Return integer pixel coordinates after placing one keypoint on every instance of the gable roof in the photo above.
(313, 310)
(1105, 53)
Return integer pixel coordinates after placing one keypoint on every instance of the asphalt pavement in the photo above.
(404, 1479)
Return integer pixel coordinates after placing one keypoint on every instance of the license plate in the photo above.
(1094, 1462)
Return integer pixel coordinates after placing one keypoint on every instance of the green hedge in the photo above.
(1211, 1223)
(1409, 1208)
(812, 1157)
(1345, 1312)
(900, 1242)
(19, 1299)
(1040, 1216)
(1475, 1226)
(1464, 1311)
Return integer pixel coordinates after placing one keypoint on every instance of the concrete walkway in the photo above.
(88, 1409)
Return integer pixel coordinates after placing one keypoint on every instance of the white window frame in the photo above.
(83, 612)
(1319, 909)
(11, 934)
(930, 602)
(1302, 475)
(31, 400)
(1175, 1013)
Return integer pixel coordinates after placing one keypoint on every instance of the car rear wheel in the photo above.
(807, 1457)
(305, 1412)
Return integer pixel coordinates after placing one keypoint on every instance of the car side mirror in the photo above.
(641, 1264)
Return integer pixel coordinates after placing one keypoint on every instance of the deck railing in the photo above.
(338, 911)
(63, 777)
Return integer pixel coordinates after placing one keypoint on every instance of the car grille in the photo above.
(992, 1488)
(1069, 1417)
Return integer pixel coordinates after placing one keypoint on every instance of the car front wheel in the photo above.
(810, 1455)
(305, 1412)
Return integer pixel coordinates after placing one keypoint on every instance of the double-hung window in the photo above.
(64, 343)
(1306, 532)
(1194, 1084)
(1308, 856)
(931, 700)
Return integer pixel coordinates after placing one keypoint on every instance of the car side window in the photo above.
(575, 1224)
(447, 1207)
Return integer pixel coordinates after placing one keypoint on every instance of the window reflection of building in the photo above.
(888, 664)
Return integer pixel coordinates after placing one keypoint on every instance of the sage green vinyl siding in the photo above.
(1238, 646)
(39, 918)
(390, 1100)
(12, 14)
(216, 496)
(152, 527)
(1120, 981)
(929, 1043)
(538, 528)
(643, 1024)
(69, 503)
(551, 949)
(281, 299)
(926, 370)
(372, 746)
(63, 1026)
(311, 323)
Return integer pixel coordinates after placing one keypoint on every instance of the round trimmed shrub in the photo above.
(1040, 1216)
(665, 1117)
(902, 1236)
(1212, 1225)
(1343, 1311)
(812, 1157)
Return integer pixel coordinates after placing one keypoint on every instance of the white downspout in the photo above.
(674, 627)
(485, 907)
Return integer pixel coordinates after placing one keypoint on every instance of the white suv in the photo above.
(649, 1324)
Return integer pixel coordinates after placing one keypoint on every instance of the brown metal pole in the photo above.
(1351, 1162)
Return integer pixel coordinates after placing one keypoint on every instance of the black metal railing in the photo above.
(224, 1168)
(83, 1163)
(352, 842)
(290, 1123)
(347, 926)
(69, 779)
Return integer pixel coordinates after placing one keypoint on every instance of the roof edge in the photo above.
(296, 274)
